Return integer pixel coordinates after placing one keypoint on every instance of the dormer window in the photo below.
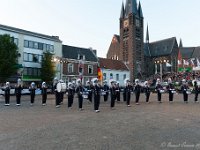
(81, 57)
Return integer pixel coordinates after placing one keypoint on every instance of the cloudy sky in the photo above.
(92, 23)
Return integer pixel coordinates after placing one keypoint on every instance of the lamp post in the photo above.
(160, 61)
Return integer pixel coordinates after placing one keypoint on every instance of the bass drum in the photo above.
(61, 87)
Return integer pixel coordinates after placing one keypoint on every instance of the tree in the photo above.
(8, 57)
(47, 70)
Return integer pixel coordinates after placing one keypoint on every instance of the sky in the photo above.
(92, 23)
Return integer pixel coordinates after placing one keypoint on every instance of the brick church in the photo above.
(142, 57)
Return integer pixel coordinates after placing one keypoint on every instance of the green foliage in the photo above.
(8, 57)
(47, 70)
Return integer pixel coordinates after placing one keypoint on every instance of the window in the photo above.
(35, 58)
(124, 76)
(90, 69)
(25, 71)
(35, 45)
(25, 56)
(104, 76)
(16, 41)
(81, 57)
(30, 57)
(40, 46)
(32, 71)
(70, 68)
(26, 43)
(48, 47)
(35, 72)
(51, 48)
(44, 47)
(117, 77)
(30, 44)
(40, 58)
(111, 76)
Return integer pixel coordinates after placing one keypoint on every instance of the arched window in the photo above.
(111, 76)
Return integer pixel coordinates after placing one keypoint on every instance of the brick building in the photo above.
(80, 63)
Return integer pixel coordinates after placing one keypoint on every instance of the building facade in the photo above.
(80, 63)
(31, 47)
(114, 70)
(131, 38)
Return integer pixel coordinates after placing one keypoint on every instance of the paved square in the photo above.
(145, 127)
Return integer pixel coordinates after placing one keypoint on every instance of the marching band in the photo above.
(93, 91)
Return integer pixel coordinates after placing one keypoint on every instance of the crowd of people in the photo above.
(93, 91)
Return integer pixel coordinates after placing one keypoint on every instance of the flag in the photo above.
(179, 58)
(168, 65)
(185, 62)
(198, 63)
(192, 62)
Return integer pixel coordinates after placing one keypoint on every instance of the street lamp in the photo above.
(160, 61)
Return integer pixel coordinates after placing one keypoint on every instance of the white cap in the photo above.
(7, 83)
(43, 83)
(136, 80)
(33, 83)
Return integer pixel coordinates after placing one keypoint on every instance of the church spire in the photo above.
(147, 35)
(140, 10)
(122, 11)
(180, 44)
(131, 7)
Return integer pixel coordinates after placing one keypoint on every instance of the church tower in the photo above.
(131, 38)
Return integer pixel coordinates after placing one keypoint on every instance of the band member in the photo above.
(196, 91)
(127, 92)
(44, 93)
(61, 93)
(184, 89)
(106, 90)
(97, 94)
(171, 90)
(79, 91)
(118, 92)
(57, 94)
(113, 94)
(7, 94)
(18, 92)
(89, 90)
(137, 91)
(32, 89)
(147, 91)
(70, 94)
(159, 90)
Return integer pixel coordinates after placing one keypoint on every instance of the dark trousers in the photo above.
(159, 96)
(32, 98)
(118, 96)
(106, 97)
(147, 96)
(128, 98)
(80, 101)
(18, 99)
(96, 102)
(137, 96)
(196, 97)
(90, 97)
(57, 98)
(124, 96)
(7, 99)
(61, 97)
(185, 97)
(171, 97)
(112, 104)
(44, 98)
(70, 101)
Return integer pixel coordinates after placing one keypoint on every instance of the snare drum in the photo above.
(162, 91)
(103, 93)
(85, 96)
(188, 92)
(173, 92)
